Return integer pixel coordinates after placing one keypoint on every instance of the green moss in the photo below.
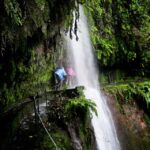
(61, 138)
(126, 93)
(119, 33)
(74, 113)
(28, 37)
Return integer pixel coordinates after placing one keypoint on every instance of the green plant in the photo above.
(126, 93)
(14, 11)
(80, 107)
(120, 34)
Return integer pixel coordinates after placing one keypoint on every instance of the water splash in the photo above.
(80, 55)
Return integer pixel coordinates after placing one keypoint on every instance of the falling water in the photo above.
(80, 55)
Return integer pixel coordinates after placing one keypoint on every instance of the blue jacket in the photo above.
(61, 73)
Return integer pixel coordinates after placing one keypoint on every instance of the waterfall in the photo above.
(81, 57)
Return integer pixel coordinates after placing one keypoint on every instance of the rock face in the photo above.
(76, 143)
(67, 132)
(29, 34)
(79, 132)
(133, 131)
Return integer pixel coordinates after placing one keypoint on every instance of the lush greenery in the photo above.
(130, 93)
(29, 46)
(120, 32)
(80, 106)
(29, 31)
(72, 115)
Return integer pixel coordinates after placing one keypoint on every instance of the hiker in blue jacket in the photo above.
(60, 77)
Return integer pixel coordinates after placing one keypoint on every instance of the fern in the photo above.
(80, 107)
(14, 11)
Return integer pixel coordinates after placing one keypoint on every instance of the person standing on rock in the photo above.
(60, 77)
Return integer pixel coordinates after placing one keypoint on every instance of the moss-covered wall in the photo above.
(67, 118)
(130, 93)
(29, 34)
(120, 34)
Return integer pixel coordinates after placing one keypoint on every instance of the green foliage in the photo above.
(80, 106)
(13, 9)
(131, 56)
(41, 4)
(145, 59)
(80, 103)
(60, 137)
(120, 33)
(126, 93)
(28, 34)
(144, 91)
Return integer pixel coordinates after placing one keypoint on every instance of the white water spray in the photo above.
(81, 56)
